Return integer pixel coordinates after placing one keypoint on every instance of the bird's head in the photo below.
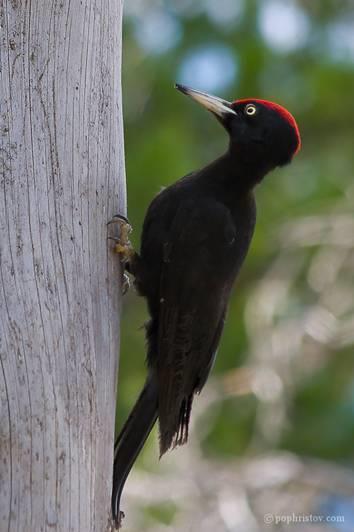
(261, 132)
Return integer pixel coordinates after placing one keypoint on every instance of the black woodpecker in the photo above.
(195, 237)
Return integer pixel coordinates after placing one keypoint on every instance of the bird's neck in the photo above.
(237, 171)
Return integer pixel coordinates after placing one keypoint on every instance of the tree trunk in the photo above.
(61, 178)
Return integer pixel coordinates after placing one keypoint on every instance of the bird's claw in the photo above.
(125, 283)
(119, 218)
(122, 243)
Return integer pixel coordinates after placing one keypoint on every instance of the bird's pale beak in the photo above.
(216, 105)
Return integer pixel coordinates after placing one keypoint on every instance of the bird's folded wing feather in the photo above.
(197, 275)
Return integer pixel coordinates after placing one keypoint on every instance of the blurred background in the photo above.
(272, 435)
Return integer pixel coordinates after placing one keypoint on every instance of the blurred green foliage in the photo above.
(322, 412)
(164, 513)
(231, 430)
(167, 136)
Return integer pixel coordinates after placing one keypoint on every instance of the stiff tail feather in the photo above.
(174, 426)
(131, 439)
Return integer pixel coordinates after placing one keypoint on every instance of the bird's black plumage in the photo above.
(195, 237)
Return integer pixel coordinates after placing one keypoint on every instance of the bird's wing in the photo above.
(196, 277)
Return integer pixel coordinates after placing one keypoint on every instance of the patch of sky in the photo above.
(224, 12)
(340, 38)
(210, 68)
(284, 26)
(158, 31)
(339, 512)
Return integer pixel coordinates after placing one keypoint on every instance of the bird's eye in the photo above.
(250, 110)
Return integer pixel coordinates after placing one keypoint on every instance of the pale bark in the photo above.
(61, 179)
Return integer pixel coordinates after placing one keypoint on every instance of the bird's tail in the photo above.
(131, 439)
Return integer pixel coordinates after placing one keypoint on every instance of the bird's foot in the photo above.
(122, 244)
